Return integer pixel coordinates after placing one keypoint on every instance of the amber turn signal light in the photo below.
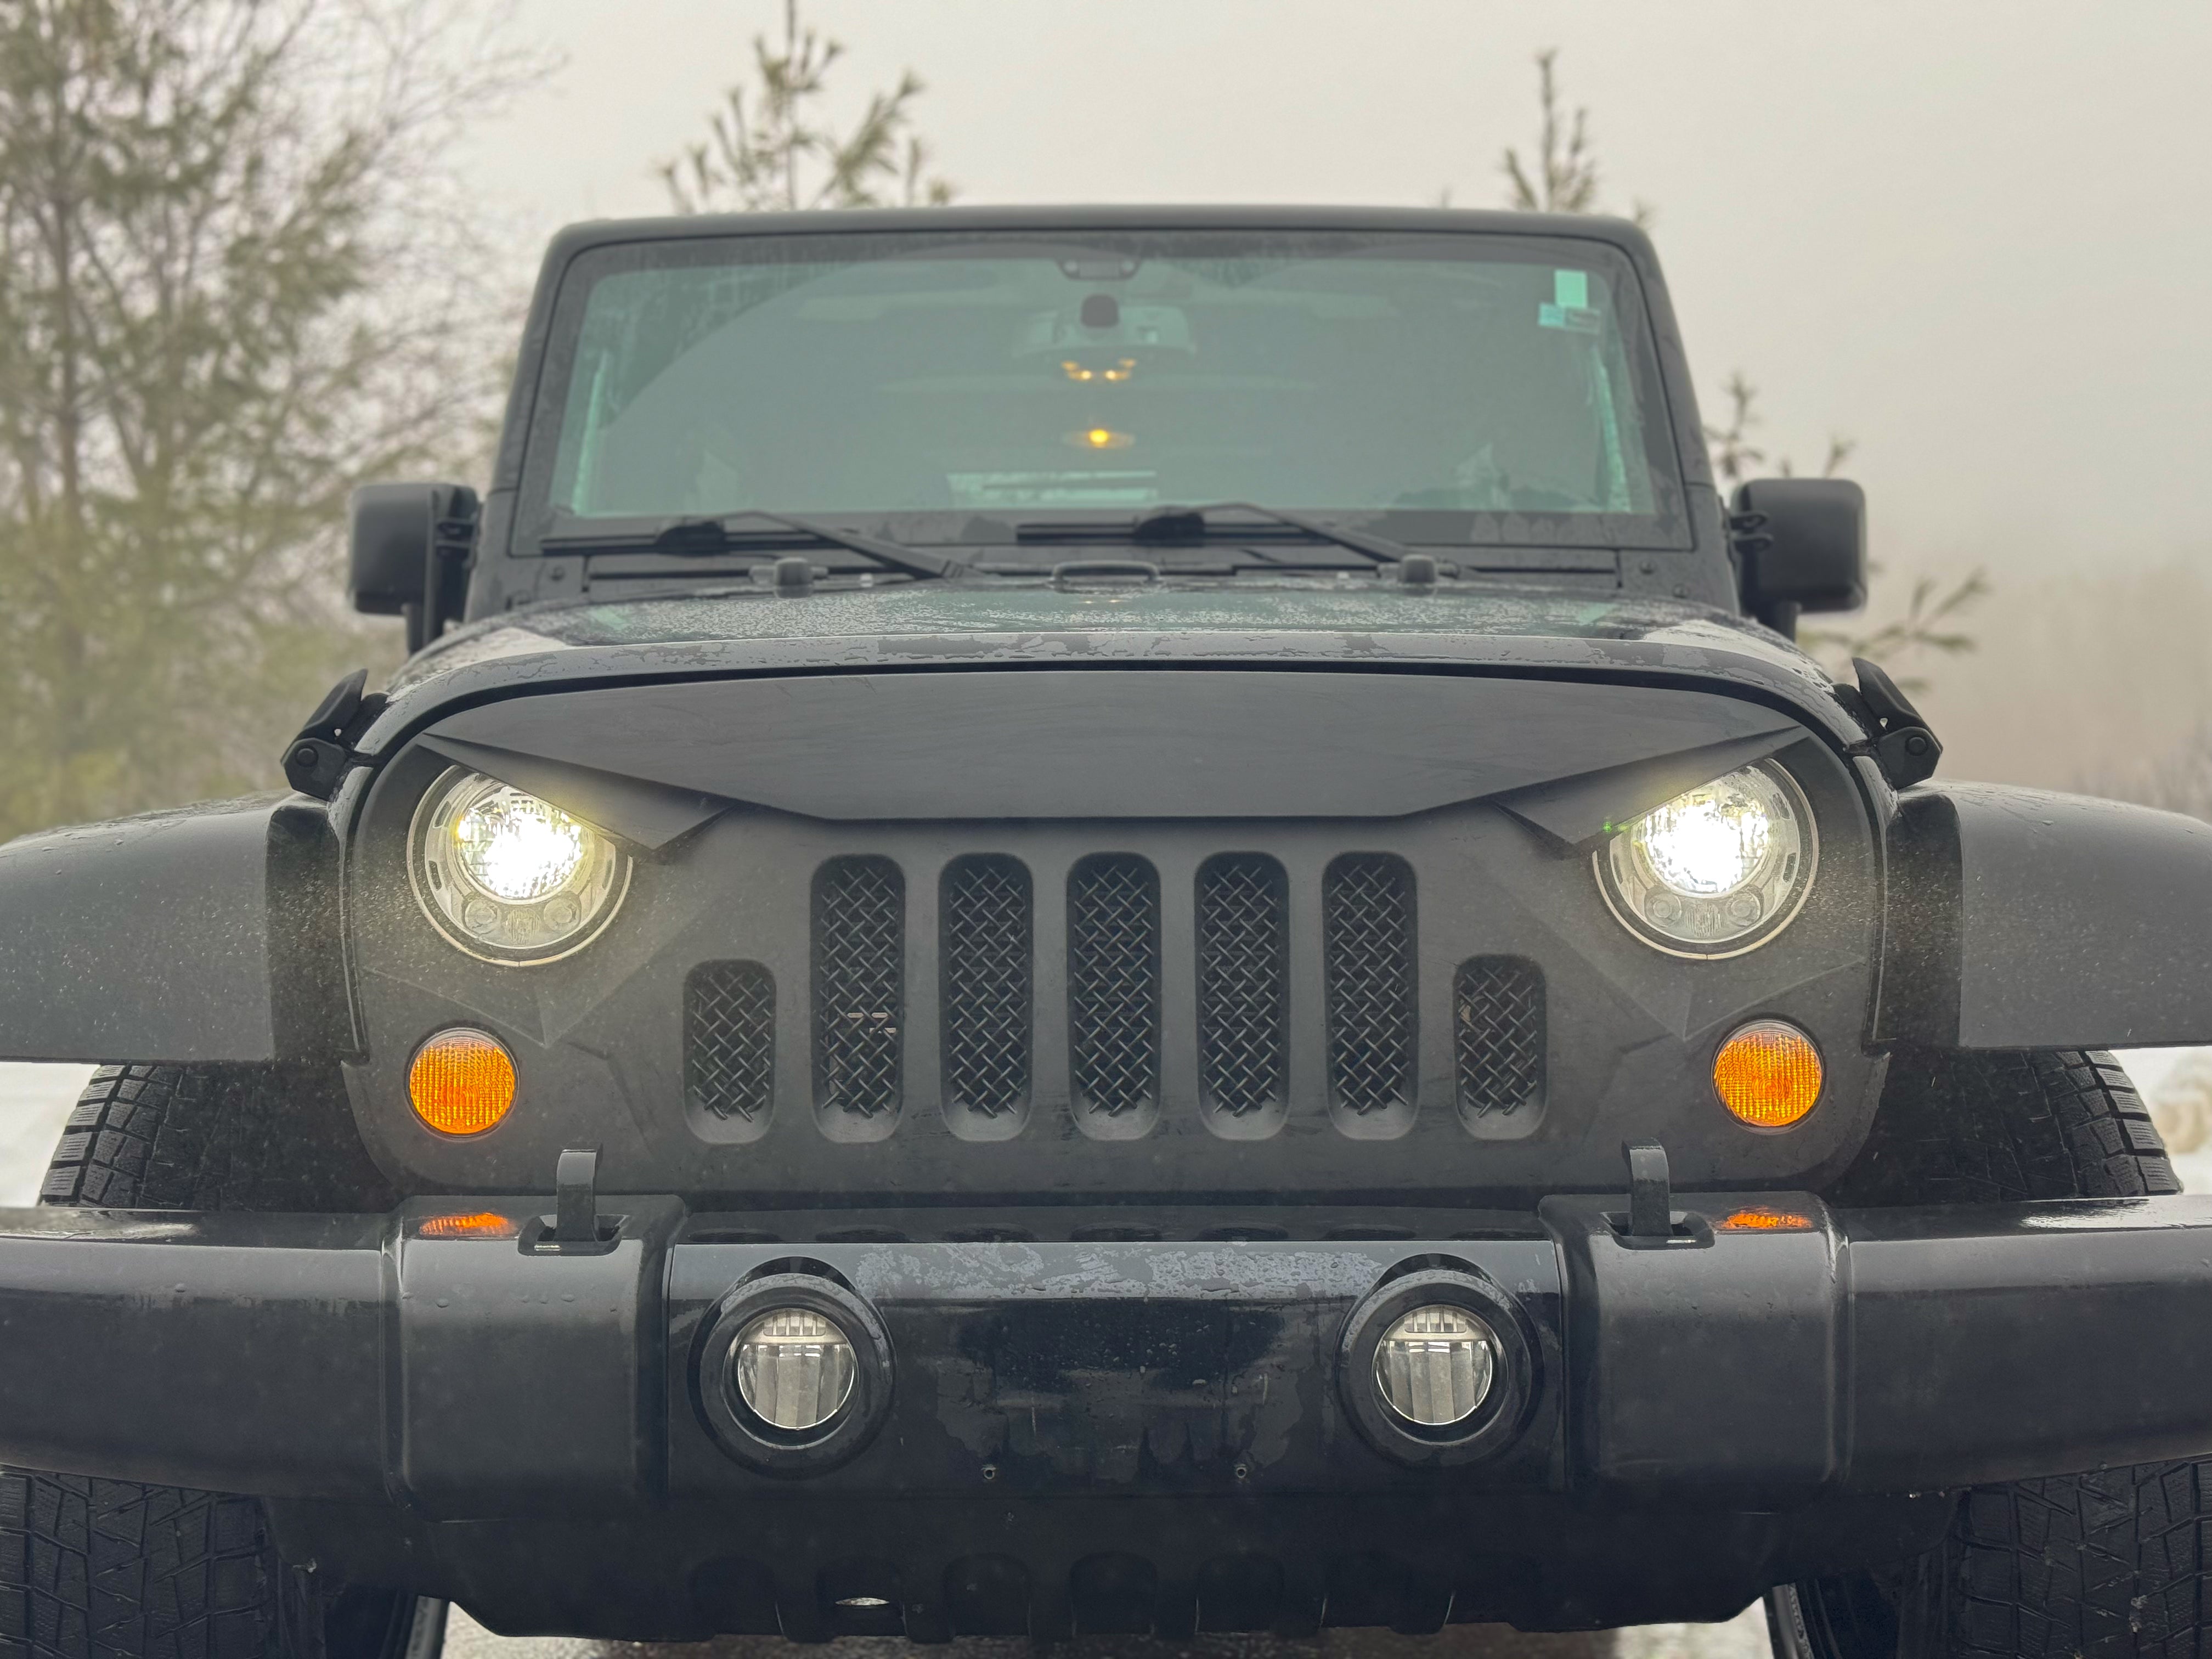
(482, 1224)
(462, 1082)
(1768, 1073)
(1763, 1220)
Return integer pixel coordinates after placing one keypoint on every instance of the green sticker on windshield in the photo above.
(1569, 306)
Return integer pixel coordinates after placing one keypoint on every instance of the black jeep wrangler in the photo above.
(1107, 920)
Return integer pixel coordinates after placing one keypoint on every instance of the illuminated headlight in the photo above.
(793, 1368)
(1719, 869)
(509, 876)
(1433, 1366)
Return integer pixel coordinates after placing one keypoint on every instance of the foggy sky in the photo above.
(1972, 236)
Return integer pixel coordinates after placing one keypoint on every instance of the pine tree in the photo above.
(770, 148)
(227, 294)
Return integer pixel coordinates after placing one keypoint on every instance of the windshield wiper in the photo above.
(692, 538)
(1168, 527)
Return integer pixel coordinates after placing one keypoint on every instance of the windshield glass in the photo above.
(1501, 386)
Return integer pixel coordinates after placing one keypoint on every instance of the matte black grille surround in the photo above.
(1498, 1035)
(1114, 985)
(1243, 984)
(987, 932)
(859, 986)
(729, 1039)
(1367, 919)
(600, 1036)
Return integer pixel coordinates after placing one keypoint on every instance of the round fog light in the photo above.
(1433, 1366)
(793, 1368)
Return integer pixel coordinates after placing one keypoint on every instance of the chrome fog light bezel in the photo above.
(1486, 1356)
(746, 1435)
(1497, 1419)
(746, 1379)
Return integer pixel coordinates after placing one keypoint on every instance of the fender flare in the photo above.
(2026, 919)
(205, 935)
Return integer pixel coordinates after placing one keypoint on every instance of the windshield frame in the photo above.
(1670, 527)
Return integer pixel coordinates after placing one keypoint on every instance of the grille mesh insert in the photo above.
(1243, 972)
(1113, 982)
(1497, 1029)
(1367, 921)
(859, 924)
(729, 1039)
(985, 929)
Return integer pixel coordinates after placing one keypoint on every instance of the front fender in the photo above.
(2022, 919)
(208, 934)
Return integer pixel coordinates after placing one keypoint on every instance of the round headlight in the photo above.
(1717, 870)
(793, 1368)
(1433, 1366)
(509, 876)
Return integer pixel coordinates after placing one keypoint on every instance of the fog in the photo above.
(1964, 236)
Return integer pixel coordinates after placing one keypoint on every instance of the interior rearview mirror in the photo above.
(1800, 546)
(412, 543)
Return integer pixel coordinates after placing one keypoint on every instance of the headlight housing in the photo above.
(1717, 871)
(508, 878)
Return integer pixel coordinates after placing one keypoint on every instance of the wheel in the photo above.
(113, 1569)
(2093, 1566)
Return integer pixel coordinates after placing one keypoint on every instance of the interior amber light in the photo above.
(1766, 1221)
(482, 1225)
(462, 1082)
(1100, 437)
(1768, 1073)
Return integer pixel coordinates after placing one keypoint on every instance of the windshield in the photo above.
(1502, 388)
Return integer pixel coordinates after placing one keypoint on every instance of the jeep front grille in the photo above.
(1367, 926)
(729, 1039)
(1114, 983)
(1255, 982)
(1498, 1035)
(859, 984)
(1243, 983)
(986, 936)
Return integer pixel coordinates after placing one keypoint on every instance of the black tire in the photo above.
(214, 1138)
(113, 1569)
(2107, 1565)
(2000, 1128)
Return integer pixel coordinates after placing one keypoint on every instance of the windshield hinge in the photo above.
(318, 756)
(1901, 742)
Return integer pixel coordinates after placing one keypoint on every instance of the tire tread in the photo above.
(2006, 1128)
(112, 1569)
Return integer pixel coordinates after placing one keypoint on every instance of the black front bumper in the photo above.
(1072, 1426)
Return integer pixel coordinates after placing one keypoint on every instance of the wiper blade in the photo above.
(1381, 549)
(706, 536)
(1168, 526)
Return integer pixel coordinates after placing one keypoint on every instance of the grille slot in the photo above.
(1114, 984)
(729, 1039)
(1243, 979)
(1497, 1031)
(985, 929)
(859, 988)
(1367, 934)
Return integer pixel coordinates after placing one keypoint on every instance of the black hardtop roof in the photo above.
(602, 233)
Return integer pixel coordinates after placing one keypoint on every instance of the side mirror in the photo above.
(412, 546)
(1801, 545)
